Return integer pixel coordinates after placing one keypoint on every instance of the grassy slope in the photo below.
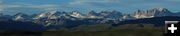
(120, 32)
(100, 30)
(113, 32)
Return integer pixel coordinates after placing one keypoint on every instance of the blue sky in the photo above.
(124, 6)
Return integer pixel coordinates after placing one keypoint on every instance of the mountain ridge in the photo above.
(56, 19)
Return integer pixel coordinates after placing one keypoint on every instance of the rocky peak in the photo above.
(47, 14)
(152, 13)
(21, 16)
(105, 13)
(128, 16)
(92, 13)
(160, 9)
(77, 14)
(1, 14)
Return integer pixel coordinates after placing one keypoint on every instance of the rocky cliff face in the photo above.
(156, 12)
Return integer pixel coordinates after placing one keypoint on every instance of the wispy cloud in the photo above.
(9, 6)
(92, 1)
(43, 6)
(29, 8)
(1, 1)
(2, 7)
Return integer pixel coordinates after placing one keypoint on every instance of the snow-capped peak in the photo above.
(152, 13)
(53, 12)
(21, 16)
(47, 14)
(77, 14)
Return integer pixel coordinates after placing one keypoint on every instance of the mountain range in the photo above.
(156, 12)
(56, 19)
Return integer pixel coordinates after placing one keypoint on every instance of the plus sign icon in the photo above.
(172, 28)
